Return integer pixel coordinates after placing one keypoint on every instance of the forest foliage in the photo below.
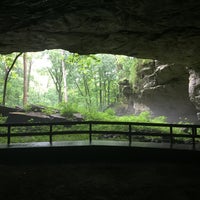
(71, 83)
(57, 76)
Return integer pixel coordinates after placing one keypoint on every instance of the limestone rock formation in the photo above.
(194, 89)
(21, 117)
(165, 30)
(163, 90)
(36, 114)
(4, 110)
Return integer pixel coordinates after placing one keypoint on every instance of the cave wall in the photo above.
(162, 89)
(166, 30)
(194, 90)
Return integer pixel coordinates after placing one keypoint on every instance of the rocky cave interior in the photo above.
(167, 31)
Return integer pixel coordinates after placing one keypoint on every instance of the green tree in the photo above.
(25, 93)
(95, 78)
(108, 80)
(86, 80)
(57, 71)
(82, 72)
(8, 63)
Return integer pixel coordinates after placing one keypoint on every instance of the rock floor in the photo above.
(101, 181)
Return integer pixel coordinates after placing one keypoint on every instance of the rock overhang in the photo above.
(166, 30)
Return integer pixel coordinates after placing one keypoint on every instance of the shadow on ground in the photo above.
(99, 181)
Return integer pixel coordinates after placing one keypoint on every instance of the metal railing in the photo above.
(128, 129)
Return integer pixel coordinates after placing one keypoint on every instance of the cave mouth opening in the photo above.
(98, 81)
(60, 85)
(103, 82)
(167, 30)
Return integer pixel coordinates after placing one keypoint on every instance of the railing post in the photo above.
(8, 135)
(90, 132)
(171, 137)
(50, 134)
(130, 135)
(193, 137)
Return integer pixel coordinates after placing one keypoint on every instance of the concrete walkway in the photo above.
(98, 151)
(155, 145)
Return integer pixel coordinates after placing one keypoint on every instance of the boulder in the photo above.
(21, 117)
(57, 118)
(4, 110)
(78, 117)
(36, 108)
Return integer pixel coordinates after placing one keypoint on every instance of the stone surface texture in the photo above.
(163, 90)
(194, 88)
(165, 30)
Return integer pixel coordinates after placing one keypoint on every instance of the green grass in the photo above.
(92, 115)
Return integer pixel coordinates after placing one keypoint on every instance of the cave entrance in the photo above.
(59, 86)
(112, 84)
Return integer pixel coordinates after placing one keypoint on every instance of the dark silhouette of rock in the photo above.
(162, 89)
(21, 117)
(29, 117)
(36, 108)
(164, 30)
(57, 118)
(78, 117)
(4, 110)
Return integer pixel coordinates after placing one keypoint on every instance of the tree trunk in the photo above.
(64, 77)
(100, 90)
(8, 70)
(87, 92)
(25, 94)
(29, 73)
(96, 93)
(108, 100)
(105, 93)
(60, 95)
(58, 85)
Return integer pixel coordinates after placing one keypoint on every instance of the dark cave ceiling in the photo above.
(167, 30)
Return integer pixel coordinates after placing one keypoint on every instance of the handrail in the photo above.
(101, 122)
(130, 132)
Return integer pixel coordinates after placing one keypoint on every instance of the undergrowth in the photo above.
(68, 110)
